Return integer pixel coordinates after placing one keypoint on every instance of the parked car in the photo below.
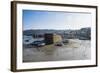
(38, 43)
(59, 44)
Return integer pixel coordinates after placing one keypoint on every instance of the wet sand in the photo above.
(74, 50)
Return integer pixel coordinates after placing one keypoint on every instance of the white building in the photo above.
(29, 39)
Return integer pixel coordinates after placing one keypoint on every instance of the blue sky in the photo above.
(55, 20)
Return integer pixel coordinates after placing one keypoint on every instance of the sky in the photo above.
(33, 19)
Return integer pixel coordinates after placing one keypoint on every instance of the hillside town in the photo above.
(30, 36)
